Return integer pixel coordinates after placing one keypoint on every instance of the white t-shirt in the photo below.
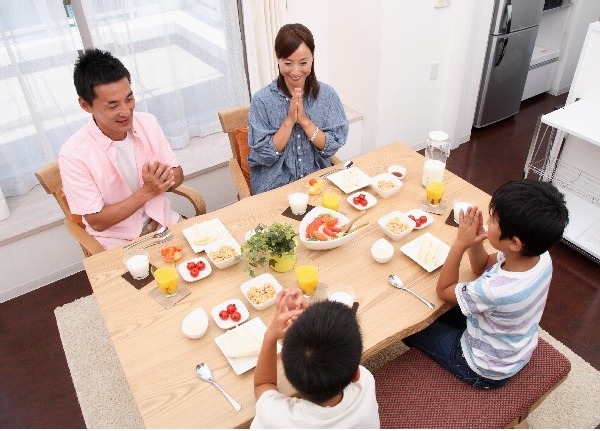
(503, 312)
(357, 409)
(128, 166)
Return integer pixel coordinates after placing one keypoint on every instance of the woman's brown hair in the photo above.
(288, 39)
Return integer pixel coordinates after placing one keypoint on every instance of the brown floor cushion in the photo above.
(413, 391)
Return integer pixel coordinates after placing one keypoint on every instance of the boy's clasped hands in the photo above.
(290, 303)
(470, 228)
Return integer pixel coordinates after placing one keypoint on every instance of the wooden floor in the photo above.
(36, 390)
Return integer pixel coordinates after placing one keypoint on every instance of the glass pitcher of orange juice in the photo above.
(166, 277)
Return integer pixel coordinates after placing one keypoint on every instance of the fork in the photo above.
(160, 233)
(347, 165)
(163, 239)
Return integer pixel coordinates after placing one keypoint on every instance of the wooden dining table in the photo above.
(159, 361)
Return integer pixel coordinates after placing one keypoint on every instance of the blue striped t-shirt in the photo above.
(503, 312)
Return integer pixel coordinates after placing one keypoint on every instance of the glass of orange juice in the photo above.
(166, 277)
(307, 277)
(435, 191)
(330, 198)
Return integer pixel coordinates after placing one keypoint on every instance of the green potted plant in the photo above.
(274, 244)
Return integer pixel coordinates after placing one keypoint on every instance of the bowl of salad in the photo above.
(321, 229)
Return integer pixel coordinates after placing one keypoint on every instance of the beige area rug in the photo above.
(106, 401)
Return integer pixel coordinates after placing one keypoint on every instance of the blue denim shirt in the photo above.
(268, 167)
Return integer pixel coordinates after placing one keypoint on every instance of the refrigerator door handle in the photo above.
(508, 15)
(502, 51)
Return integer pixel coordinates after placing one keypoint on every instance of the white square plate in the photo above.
(350, 180)
(371, 200)
(430, 258)
(244, 363)
(201, 234)
(418, 212)
(227, 324)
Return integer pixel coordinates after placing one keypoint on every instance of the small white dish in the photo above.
(241, 364)
(185, 273)
(387, 177)
(418, 213)
(398, 171)
(341, 293)
(396, 236)
(382, 250)
(215, 246)
(427, 250)
(258, 282)
(195, 324)
(371, 200)
(227, 324)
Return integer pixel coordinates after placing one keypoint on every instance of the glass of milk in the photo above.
(137, 263)
(298, 200)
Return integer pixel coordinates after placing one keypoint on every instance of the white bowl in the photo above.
(398, 169)
(386, 176)
(260, 281)
(323, 245)
(341, 293)
(382, 250)
(383, 221)
(195, 324)
(215, 246)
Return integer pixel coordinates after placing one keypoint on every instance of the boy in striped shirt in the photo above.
(493, 332)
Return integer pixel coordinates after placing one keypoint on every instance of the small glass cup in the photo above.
(167, 279)
(435, 191)
(330, 198)
(298, 201)
(137, 263)
(307, 277)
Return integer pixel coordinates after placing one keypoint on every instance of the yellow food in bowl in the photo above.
(396, 226)
(261, 294)
(224, 253)
(386, 184)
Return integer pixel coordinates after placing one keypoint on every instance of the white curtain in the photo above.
(185, 58)
(262, 20)
(39, 109)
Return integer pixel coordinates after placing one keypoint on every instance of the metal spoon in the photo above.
(163, 239)
(397, 283)
(160, 232)
(203, 371)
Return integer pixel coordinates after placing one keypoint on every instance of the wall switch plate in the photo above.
(433, 72)
(441, 3)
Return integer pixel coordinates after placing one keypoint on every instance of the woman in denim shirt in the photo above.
(296, 123)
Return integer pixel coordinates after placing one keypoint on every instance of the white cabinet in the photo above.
(566, 150)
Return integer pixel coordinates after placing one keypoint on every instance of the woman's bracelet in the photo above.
(314, 135)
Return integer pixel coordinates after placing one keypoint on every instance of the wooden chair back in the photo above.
(231, 119)
(49, 178)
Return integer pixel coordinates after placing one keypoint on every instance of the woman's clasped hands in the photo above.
(296, 112)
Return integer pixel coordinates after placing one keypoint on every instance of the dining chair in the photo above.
(49, 178)
(234, 122)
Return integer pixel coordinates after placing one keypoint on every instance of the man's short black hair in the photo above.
(96, 67)
(534, 211)
(322, 350)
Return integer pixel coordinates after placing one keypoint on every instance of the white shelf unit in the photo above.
(550, 160)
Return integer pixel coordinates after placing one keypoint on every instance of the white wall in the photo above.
(380, 54)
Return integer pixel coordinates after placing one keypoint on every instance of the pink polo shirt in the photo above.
(91, 177)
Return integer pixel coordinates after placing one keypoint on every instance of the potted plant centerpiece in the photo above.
(274, 244)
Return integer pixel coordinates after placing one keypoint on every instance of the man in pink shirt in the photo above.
(116, 169)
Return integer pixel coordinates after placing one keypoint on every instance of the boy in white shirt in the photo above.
(321, 356)
(493, 332)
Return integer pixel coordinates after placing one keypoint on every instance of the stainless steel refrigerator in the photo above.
(510, 45)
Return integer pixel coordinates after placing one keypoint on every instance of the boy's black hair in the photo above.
(322, 350)
(96, 67)
(533, 211)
